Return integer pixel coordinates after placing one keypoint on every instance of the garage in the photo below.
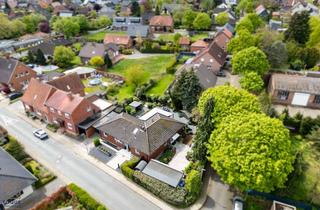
(300, 99)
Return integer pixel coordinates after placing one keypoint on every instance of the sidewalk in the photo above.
(82, 149)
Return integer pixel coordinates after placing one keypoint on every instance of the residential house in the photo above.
(91, 49)
(138, 31)
(144, 138)
(161, 24)
(15, 180)
(275, 25)
(68, 110)
(123, 41)
(184, 43)
(69, 83)
(37, 35)
(198, 46)
(282, 206)
(45, 3)
(207, 78)
(262, 12)
(47, 47)
(82, 71)
(170, 8)
(146, 17)
(222, 39)
(213, 57)
(122, 23)
(113, 52)
(224, 8)
(305, 6)
(231, 3)
(296, 90)
(107, 11)
(125, 7)
(14, 75)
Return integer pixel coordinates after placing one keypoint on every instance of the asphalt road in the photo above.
(72, 168)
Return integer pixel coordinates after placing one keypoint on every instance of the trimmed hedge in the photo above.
(85, 199)
(174, 196)
(127, 167)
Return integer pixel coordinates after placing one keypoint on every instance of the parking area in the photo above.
(179, 161)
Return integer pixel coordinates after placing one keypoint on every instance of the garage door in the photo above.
(300, 99)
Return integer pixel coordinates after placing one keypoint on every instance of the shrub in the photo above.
(167, 155)
(170, 69)
(127, 167)
(193, 185)
(52, 127)
(130, 110)
(96, 142)
(84, 198)
(15, 149)
(175, 196)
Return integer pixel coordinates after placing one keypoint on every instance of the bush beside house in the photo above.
(127, 167)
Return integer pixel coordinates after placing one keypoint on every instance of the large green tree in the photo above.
(67, 26)
(202, 21)
(40, 59)
(221, 19)
(250, 59)
(135, 75)
(63, 56)
(244, 39)
(252, 82)
(299, 28)
(277, 54)
(228, 101)
(314, 40)
(32, 21)
(188, 18)
(186, 91)
(251, 152)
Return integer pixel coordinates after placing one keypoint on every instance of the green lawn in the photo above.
(155, 68)
(198, 36)
(92, 89)
(166, 37)
(100, 35)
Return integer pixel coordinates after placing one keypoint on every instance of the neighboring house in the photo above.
(55, 106)
(170, 8)
(262, 12)
(161, 24)
(113, 52)
(305, 6)
(136, 31)
(282, 206)
(125, 7)
(296, 90)
(231, 3)
(224, 8)
(275, 25)
(222, 39)
(69, 83)
(37, 35)
(144, 138)
(82, 71)
(207, 78)
(146, 16)
(213, 57)
(65, 13)
(91, 49)
(107, 11)
(48, 47)
(120, 40)
(184, 43)
(49, 76)
(45, 3)
(14, 75)
(15, 180)
(198, 46)
(122, 23)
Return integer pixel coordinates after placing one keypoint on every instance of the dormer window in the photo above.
(89, 109)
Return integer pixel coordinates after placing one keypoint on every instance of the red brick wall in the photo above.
(15, 82)
(111, 140)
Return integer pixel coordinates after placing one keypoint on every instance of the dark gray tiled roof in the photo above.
(207, 77)
(138, 30)
(7, 67)
(90, 50)
(146, 136)
(13, 176)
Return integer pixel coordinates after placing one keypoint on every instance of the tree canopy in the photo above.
(221, 19)
(277, 54)
(96, 61)
(251, 151)
(135, 75)
(250, 22)
(299, 28)
(63, 56)
(252, 82)
(250, 59)
(202, 21)
(186, 91)
(314, 39)
(67, 26)
(244, 39)
(188, 18)
(32, 21)
(228, 101)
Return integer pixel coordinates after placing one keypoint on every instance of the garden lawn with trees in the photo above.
(99, 36)
(141, 71)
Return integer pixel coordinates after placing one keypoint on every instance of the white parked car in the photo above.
(237, 203)
(41, 134)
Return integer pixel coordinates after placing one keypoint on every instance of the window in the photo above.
(51, 109)
(67, 115)
(69, 126)
(283, 95)
(316, 99)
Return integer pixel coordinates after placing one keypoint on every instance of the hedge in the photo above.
(175, 196)
(127, 167)
(85, 199)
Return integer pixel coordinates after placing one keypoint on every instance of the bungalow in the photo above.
(82, 71)
(262, 12)
(296, 90)
(184, 43)
(15, 180)
(14, 75)
(69, 83)
(161, 24)
(91, 49)
(119, 40)
(198, 46)
(122, 23)
(48, 47)
(144, 138)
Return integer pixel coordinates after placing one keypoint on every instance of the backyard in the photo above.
(99, 36)
(154, 68)
(91, 89)
(198, 36)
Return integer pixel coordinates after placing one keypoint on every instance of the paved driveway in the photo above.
(179, 161)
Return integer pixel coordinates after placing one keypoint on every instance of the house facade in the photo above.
(123, 41)
(14, 75)
(91, 49)
(144, 138)
(161, 24)
(295, 90)
(69, 83)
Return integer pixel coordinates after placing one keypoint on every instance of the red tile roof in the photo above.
(63, 101)
(184, 41)
(161, 21)
(36, 94)
(116, 39)
(222, 39)
(200, 43)
(69, 83)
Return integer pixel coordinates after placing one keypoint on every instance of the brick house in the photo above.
(14, 75)
(295, 90)
(69, 83)
(198, 46)
(123, 41)
(144, 138)
(161, 24)
(184, 43)
(91, 49)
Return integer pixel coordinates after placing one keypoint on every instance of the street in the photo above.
(71, 167)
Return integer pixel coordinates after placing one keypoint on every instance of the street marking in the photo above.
(8, 121)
